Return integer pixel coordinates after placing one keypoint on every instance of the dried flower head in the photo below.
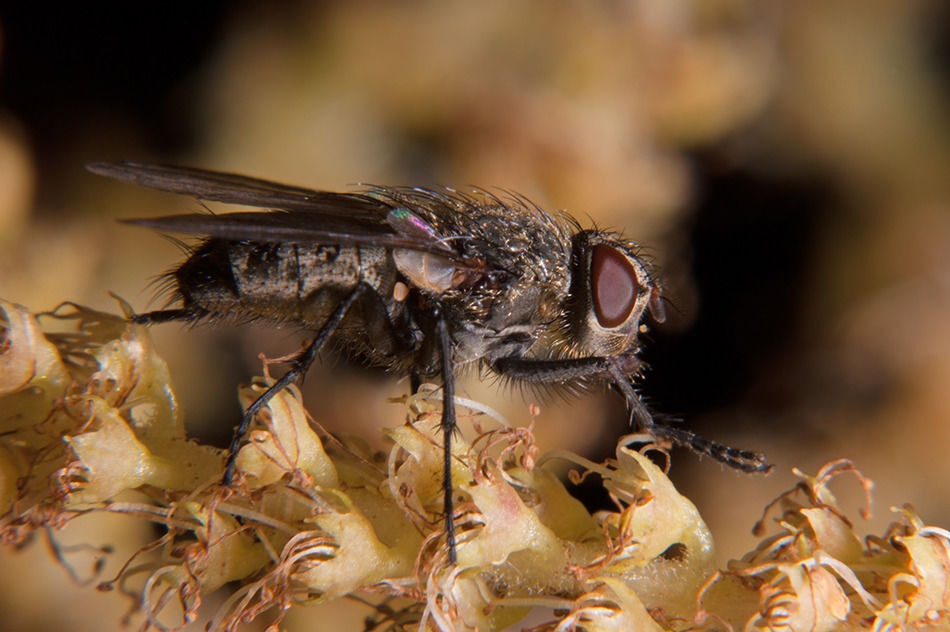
(89, 425)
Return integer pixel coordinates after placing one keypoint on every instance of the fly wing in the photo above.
(231, 188)
(301, 215)
(283, 227)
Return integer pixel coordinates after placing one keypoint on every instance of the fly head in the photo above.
(611, 289)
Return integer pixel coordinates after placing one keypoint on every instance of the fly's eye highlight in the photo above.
(614, 286)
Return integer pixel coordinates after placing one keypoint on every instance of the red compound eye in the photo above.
(614, 286)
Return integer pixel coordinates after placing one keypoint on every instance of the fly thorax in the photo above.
(475, 342)
(517, 317)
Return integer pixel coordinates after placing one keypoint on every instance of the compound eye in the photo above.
(614, 286)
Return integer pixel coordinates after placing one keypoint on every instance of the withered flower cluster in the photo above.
(89, 425)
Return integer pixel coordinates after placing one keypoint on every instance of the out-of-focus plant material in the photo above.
(90, 425)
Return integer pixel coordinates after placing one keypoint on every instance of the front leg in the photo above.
(617, 370)
(573, 370)
(448, 428)
(565, 371)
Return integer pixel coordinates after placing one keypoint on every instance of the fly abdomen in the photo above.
(205, 281)
(301, 283)
(242, 281)
(325, 273)
(265, 272)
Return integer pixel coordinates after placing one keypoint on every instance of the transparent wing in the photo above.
(299, 214)
(237, 189)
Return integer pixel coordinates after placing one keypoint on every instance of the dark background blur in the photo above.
(785, 164)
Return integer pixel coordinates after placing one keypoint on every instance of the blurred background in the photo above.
(785, 164)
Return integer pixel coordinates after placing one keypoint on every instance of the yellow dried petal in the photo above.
(508, 526)
(112, 455)
(26, 356)
(556, 508)
(929, 551)
(32, 376)
(612, 607)
(115, 459)
(353, 557)
(11, 469)
(288, 443)
(664, 517)
(833, 534)
(820, 603)
(225, 552)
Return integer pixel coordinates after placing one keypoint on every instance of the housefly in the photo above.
(421, 281)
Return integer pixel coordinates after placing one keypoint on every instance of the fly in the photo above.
(421, 281)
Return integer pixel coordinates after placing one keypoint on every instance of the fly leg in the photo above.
(297, 371)
(617, 369)
(448, 428)
(567, 371)
(742, 460)
(165, 315)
